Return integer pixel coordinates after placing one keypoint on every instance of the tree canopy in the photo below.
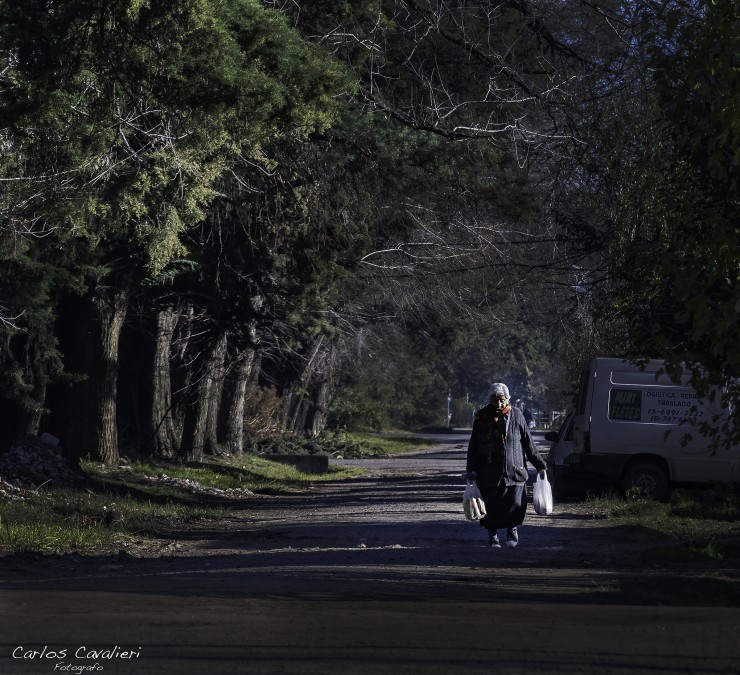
(354, 210)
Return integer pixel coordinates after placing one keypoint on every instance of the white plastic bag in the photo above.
(542, 496)
(473, 504)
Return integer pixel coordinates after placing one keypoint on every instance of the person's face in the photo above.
(499, 402)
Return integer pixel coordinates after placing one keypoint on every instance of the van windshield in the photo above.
(565, 433)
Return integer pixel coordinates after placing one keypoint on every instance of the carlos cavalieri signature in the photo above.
(90, 655)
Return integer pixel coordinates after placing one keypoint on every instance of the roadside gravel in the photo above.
(398, 531)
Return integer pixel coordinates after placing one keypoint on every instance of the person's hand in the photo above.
(543, 473)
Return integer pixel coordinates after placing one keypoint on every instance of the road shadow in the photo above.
(432, 560)
(401, 537)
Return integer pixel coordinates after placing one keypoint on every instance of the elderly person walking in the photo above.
(499, 442)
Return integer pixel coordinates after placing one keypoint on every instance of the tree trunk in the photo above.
(308, 399)
(33, 422)
(200, 434)
(323, 394)
(235, 386)
(213, 394)
(91, 424)
(25, 354)
(166, 432)
(296, 397)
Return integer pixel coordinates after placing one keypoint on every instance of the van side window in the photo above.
(625, 405)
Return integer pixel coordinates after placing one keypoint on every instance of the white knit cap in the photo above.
(499, 389)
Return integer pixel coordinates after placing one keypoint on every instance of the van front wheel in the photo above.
(648, 478)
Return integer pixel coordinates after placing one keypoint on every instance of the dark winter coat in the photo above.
(498, 446)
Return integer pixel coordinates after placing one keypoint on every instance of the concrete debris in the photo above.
(9, 490)
(30, 464)
(196, 488)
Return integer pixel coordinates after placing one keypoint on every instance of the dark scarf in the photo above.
(500, 421)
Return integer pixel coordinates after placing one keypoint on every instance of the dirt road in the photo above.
(374, 575)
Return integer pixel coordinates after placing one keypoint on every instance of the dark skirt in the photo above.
(506, 506)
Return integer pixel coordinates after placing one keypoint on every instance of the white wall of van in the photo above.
(636, 427)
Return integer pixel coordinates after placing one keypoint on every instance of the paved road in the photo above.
(378, 575)
(187, 634)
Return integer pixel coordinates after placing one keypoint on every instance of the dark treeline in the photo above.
(230, 218)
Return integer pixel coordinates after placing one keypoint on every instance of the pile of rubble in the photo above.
(32, 463)
(38, 462)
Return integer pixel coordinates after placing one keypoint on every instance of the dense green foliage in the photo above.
(119, 125)
(679, 245)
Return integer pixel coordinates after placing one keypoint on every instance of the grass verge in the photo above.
(695, 525)
(389, 444)
(349, 445)
(696, 547)
(141, 500)
(69, 520)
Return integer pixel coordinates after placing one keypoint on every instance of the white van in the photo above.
(631, 426)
